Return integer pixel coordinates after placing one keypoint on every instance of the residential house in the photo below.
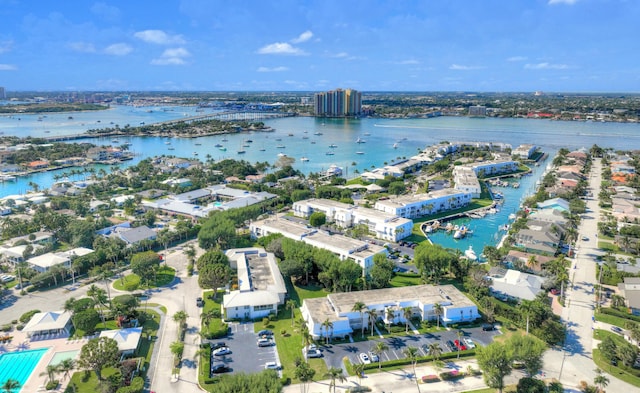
(630, 290)
(137, 234)
(128, 339)
(508, 283)
(418, 205)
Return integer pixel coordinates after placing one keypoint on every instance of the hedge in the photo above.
(136, 386)
(452, 375)
(620, 314)
(403, 362)
(27, 316)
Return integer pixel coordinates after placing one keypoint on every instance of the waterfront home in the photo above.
(337, 308)
(38, 164)
(261, 288)
(418, 205)
(539, 237)
(559, 204)
(630, 290)
(44, 262)
(525, 151)
(120, 200)
(96, 205)
(466, 180)
(508, 283)
(344, 247)
(382, 225)
(182, 182)
(521, 258)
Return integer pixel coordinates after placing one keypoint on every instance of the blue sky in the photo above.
(370, 45)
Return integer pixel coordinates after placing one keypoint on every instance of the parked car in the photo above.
(265, 333)
(451, 345)
(616, 330)
(460, 346)
(222, 351)
(487, 327)
(199, 302)
(7, 278)
(469, 342)
(265, 342)
(425, 348)
(374, 358)
(271, 366)
(364, 358)
(218, 345)
(219, 369)
(314, 353)
(584, 238)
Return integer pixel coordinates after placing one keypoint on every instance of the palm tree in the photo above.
(66, 366)
(600, 380)
(379, 349)
(435, 350)
(206, 317)
(407, 313)
(361, 308)
(390, 317)
(334, 374)
(291, 305)
(373, 316)
(99, 299)
(51, 372)
(526, 308)
(327, 325)
(438, 310)
(459, 334)
(10, 385)
(180, 317)
(358, 369)
(411, 353)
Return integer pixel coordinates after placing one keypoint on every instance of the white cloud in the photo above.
(173, 56)
(6, 46)
(567, 2)
(159, 37)
(545, 66)
(408, 62)
(107, 12)
(272, 69)
(458, 67)
(517, 58)
(306, 36)
(281, 48)
(119, 49)
(340, 55)
(8, 67)
(83, 47)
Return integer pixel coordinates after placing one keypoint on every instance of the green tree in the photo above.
(180, 317)
(435, 350)
(495, 363)
(317, 219)
(65, 367)
(411, 353)
(214, 276)
(305, 375)
(600, 380)
(97, 354)
(212, 257)
(10, 385)
(531, 385)
(218, 232)
(379, 349)
(334, 374)
(438, 310)
(381, 272)
(528, 350)
(358, 370)
(360, 307)
(177, 348)
(144, 264)
(291, 306)
(397, 187)
(86, 320)
(51, 372)
(407, 313)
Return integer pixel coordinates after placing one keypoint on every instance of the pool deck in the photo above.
(36, 382)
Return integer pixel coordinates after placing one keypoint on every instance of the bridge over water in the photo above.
(222, 116)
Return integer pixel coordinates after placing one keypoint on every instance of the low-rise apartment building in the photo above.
(418, 205)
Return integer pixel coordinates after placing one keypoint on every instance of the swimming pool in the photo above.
(20, 365)
(60, 356)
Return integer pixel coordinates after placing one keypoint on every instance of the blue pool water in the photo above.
(19, 365)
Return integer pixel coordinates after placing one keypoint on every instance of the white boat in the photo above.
(359, 152)
(360, 140)
(333, 145)
(317, 133)
(429, 229)
(395, 145)
(167, 143)
(304, 159)
(367, 133)
(457, 234)
(195, 153)
(281, 155)
(329, 153)
(512, 216)
(280, 147)
(470, 254)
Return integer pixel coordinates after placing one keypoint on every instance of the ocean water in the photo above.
(311, 137)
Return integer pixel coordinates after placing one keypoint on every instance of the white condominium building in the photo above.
(382, 225)
(344, 247)
(418, 205)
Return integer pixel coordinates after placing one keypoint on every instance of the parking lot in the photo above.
(246, 356)
(333, 354)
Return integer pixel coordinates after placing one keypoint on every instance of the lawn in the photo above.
(216, 328)
(405, 280)
(621, 372)
(289, 345)
(88, 383)
(611, 319)
(131, 282)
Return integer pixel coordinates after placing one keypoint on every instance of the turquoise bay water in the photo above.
(19, 365)
(311, 138)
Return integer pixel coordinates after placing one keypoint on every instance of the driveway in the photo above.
(334, 353)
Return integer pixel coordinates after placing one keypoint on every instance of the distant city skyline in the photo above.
(374, 45)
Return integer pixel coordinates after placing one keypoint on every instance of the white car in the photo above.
(469, 342)
(314, 353)
(221, 351)
(271, 366)
(364, 358)
(374, 358)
